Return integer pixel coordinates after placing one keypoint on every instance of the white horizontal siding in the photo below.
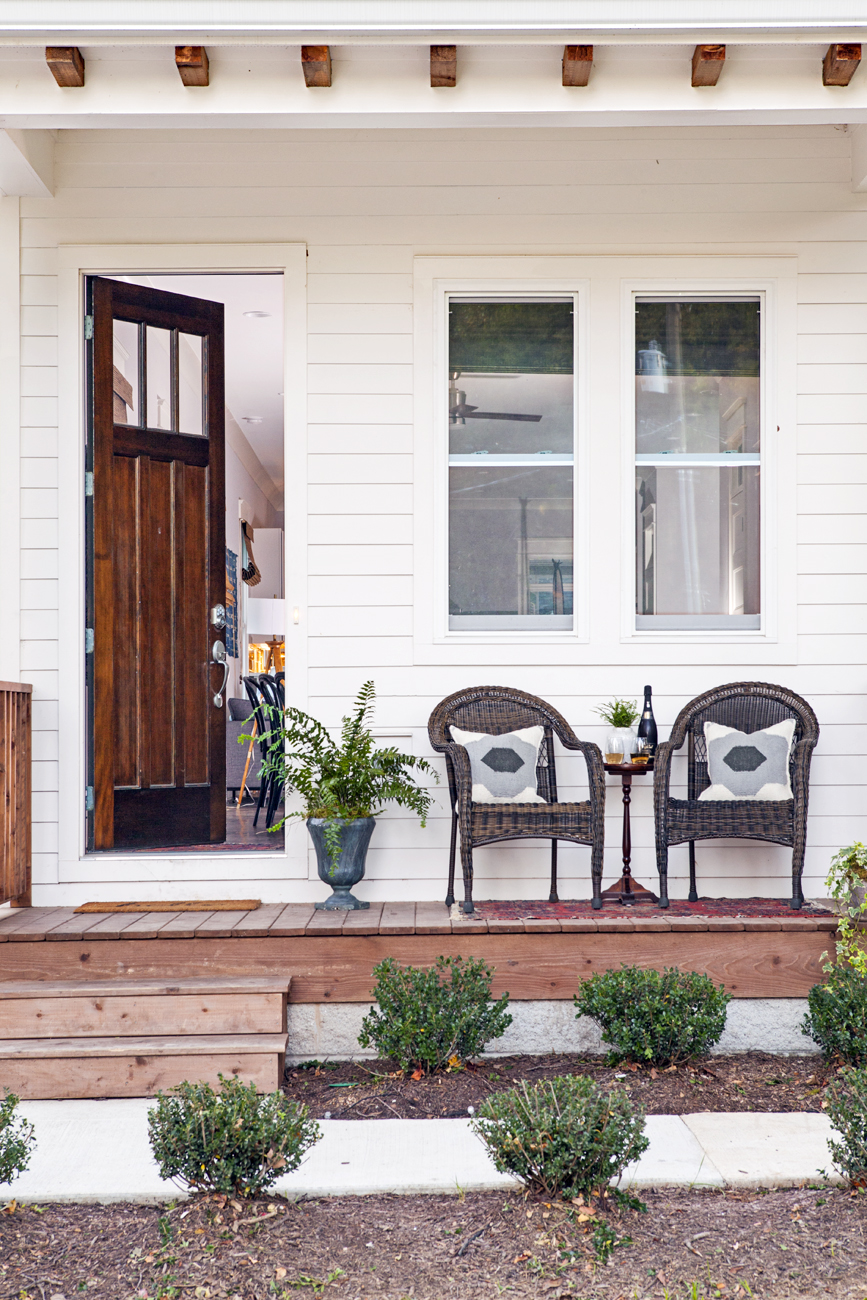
(365, 204)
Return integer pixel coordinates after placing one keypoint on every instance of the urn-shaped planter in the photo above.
(348, 867)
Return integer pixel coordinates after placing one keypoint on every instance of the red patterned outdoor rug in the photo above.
(579, 908)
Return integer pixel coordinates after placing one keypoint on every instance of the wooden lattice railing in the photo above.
(15, 727)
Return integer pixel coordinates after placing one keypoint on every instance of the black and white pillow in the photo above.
(503, 767)
(754, 766)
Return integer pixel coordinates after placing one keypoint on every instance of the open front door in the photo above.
(156, 568)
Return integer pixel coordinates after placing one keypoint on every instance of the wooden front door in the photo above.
(156, 568)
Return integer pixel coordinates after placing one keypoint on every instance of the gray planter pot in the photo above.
(349, 868)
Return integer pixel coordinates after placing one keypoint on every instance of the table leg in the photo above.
(627, 890)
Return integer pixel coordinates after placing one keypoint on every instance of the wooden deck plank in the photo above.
(139, 1075)
(432, 918)
(470, 924)
(292, 920)
(73, 929)
(132, 1015)
(31, 924)
(26, 1049)
(579, 925)
(323, 922)
(540, 925)
(222, 924)
(38, 989)
(112, 927)
(366, 922)
(502, 925)
(258, 923)
(147, 926)
(397, 918)
(184, 925)
(723, 924)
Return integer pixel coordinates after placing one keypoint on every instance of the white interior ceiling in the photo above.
(254, 353)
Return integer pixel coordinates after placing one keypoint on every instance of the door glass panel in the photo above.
(125, 375)
(159, 378)
(190, 386)
(511, 445)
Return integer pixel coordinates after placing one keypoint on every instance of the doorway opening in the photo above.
(185, 560)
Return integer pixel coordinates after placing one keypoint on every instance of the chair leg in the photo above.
(693, 892)
(467, 865)
(662, 868)
(264, 784)
(450, 893)
(273, 801)
(796, 902)
(597, 858)
(552, 897)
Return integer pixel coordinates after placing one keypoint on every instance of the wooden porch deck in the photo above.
(329, 957)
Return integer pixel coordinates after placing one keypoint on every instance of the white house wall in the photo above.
(365, 204)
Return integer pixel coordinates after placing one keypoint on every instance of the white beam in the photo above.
(27, 163)
(859, 157)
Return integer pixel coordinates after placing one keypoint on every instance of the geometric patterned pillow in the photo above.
(754, 766)
(503, 767)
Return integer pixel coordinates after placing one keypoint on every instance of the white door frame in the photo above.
(200, 872)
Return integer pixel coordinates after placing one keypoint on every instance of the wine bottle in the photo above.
(647, 734)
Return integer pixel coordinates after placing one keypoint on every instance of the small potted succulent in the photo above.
(343, 785)
(622, 740)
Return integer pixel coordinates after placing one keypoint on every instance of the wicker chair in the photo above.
(496, 710)
(748, 707)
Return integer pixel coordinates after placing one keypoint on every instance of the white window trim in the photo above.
(604, 535)
(116, 871)
(778, 339)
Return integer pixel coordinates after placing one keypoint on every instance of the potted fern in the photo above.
(343, 786)
(622, 740)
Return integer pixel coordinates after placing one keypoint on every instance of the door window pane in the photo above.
(511, 441)
(190, 386)
(698, 444)
(125, 374)
(159, 378)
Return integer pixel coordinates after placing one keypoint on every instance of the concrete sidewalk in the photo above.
(97, 1151)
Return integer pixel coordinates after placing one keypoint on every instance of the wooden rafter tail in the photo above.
(577, 62)
(192, 64)
(840, 64)
(316, 63)
(707, 64)
(443, 65)
(66, 63)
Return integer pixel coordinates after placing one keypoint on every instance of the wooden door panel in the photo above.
(157, 567)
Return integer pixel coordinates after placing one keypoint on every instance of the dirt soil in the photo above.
(372, 1090)
(807, 1242)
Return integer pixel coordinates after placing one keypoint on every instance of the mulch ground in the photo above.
(806, 1242)
(372, 1090)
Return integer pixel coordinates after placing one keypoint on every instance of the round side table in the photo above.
(627, 890)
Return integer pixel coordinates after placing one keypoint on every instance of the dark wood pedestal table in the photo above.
(627, 890)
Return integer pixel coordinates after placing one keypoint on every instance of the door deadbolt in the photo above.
(218, 616)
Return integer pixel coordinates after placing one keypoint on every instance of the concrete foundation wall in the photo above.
(330, 1031)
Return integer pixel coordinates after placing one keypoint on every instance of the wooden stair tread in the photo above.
(155, 1045)
(73, 988)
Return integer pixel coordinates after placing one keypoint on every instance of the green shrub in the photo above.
(232, 1141)
(846, 1107)
(428, 1018)
(837, 1015)
(16, 1140)
(653, 1018)
(562, 1136)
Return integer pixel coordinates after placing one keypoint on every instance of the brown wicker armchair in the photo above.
(496, 710)
(748, 707)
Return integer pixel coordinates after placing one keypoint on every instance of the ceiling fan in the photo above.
(460, 411)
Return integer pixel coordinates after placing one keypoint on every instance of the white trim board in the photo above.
(74, 262)
(10, 440)
(605, 455)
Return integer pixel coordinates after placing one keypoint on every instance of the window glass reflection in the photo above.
(159, 378)
(125, 372)
(190, 407)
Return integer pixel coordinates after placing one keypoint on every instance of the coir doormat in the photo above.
(580, 908)
(193, 905)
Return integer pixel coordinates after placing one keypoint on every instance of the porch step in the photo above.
(129, 1038)
(62, 1068)
(75, 1008)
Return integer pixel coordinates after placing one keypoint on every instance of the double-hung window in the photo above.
(511, 424)
(698, 462)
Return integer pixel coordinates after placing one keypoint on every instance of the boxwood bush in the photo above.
(562, 1137)
(655, 1018)
(846, 1107)
(16, 1140)
(837, 1015)
(427, 1018)
(232, 1140)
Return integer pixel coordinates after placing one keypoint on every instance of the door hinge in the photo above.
(88, 640)
(88, 327)
(88, 483)
(88, 799)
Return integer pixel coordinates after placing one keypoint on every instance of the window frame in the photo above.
(509, 290)
(675, 630)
